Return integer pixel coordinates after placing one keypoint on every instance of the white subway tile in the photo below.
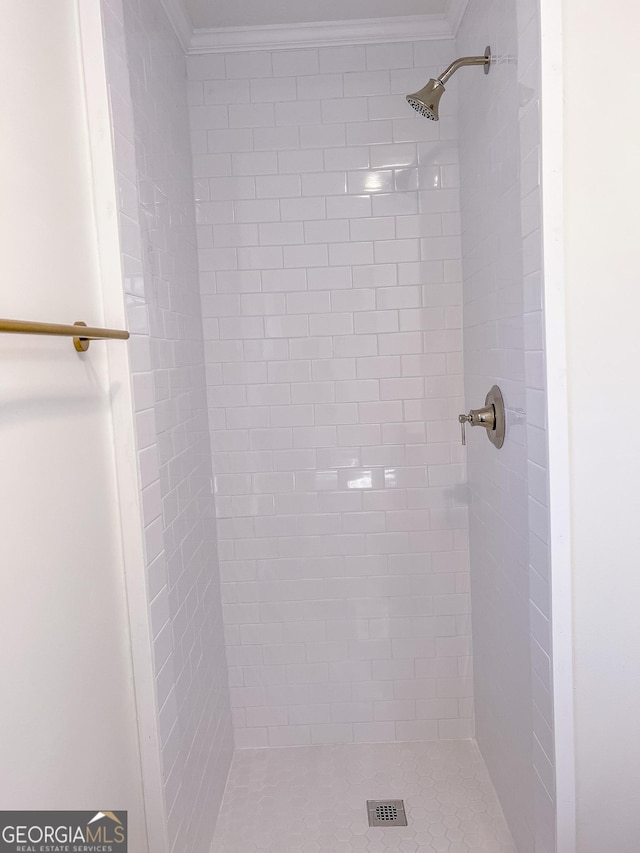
(367, 83)
(326, 231)
(295, 62)
(329, 279)
(402, 343)
(287, 326)
(323, 482)
(340, 413)
(344, 159)
(260, 258)
(353, 300)
(236, 328)
(208, 117)
(395, 204)
(377, 275)
(322, 136)
(279, 280)
(311, 348)
(350, 254)
(370, 181)
(213, 213)
(331, 324)
(348, 207)
(378, 367)
(298, 113)
(275, 138)
(381, 228)
(325, 183)
(306, 256)
(249, 64)
(389, 56)
(357, 391)
(376, 322)
(254, 163)
(301, 209)
(256, 115)
(211, 165)
(317, 86)
(313, 392)
(278, 186)
(221, 141)
(343, 110)
(233, 188)
(332, 733)
(260, 304)
(226, 91)
(280, 233)
(291, 416)
(308, 303)
(273, 89)
(235, 235)
(369, 132)
(256, 210)
(417, 730)
(339, 59)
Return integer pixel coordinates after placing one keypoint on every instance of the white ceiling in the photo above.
(246, 13)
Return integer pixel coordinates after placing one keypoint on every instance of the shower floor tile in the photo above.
(313, 800)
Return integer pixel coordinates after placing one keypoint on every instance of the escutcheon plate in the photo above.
(494, 398)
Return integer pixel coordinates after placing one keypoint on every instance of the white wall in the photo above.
(147, 90)
(329, 256)
(602, 304)
(503, 310)
(68, 734)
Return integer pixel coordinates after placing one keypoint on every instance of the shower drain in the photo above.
(386, 813)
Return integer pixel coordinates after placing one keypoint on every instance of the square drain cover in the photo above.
(386, 813)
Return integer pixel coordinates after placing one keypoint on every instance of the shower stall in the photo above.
(319, 282)
(339, 605)
(266, 584)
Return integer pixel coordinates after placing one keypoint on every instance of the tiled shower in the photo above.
(319, 281)
(330, 259)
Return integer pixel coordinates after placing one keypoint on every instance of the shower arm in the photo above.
(464, 60)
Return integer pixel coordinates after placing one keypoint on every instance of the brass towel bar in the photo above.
(80, 342)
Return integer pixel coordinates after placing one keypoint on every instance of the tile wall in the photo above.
(329, 244)
(499, 151)
(328, 235)
(541, 652)
(147, 92)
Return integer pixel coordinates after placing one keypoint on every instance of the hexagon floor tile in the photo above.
(313, 800)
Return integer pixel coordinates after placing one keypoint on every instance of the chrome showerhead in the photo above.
(427, 99)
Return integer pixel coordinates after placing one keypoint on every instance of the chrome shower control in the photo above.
(463, 420)
(490, 416)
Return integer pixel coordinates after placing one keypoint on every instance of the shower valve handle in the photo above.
(463, 420)
(486, 417)
(490, 416)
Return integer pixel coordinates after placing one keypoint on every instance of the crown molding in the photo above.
(455, 14)
(323, 34)
(180, 21)
(320, 34)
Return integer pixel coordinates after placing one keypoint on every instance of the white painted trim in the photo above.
(455, 14)
(180, 21)
(105, 202)
(317, 34)
(552, 138)
(322, 34)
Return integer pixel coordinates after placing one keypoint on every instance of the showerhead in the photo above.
(427, 99)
